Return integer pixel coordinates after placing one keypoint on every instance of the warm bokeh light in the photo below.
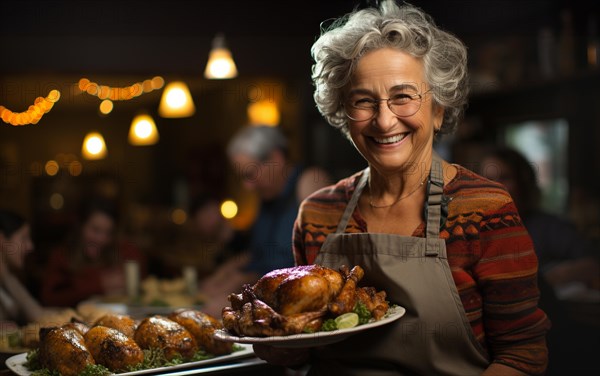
(143, 131)
(263, 112)
(229, 209)
(57, 201)
(34, 113)
(75, 168)
(157, 82)
(176, 98)
(220, 63)
(106, 106)
(93, 146)
(51, 168)
(176, 101)
(178, 216)
(120, 93)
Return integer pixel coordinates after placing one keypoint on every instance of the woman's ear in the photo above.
(438, 117)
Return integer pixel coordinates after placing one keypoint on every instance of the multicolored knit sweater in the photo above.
(490, 254)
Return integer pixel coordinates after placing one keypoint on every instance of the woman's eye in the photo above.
(363, 102)
(401, 98)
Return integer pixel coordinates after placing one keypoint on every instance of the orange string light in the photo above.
(34, 113)
(120, 93)
(43, 105)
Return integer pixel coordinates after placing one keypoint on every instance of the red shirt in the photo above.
(66, 286)
(490, 253)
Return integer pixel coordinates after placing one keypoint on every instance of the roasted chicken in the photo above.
(123, 323)
(79, 326)
(112, 348)
(161, 333)
(294, 300)
(63, 349)
(202, 327)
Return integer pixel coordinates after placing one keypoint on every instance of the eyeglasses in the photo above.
(402, 105)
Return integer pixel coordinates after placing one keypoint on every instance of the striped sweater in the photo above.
(490, 255)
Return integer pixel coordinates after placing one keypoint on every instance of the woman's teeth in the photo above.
(390, 140)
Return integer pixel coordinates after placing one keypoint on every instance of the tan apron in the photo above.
(434, 337)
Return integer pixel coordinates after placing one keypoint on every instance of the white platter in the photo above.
(16, 363)
(313, 339)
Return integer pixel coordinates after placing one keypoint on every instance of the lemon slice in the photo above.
(346, 320)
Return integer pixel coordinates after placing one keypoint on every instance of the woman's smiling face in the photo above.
(387, 141)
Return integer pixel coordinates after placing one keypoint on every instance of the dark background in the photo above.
(47, 45)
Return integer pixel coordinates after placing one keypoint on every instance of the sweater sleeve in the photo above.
(506, 272)
(298, 243)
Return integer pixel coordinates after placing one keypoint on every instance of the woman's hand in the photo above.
(280, 356)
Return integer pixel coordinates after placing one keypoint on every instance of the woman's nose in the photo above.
(385, 119)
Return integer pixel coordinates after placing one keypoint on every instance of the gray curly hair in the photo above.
(407, 28)
(257, 141)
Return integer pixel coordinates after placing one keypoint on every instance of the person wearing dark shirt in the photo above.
(565, 256)
(563, 253)
(259, 156)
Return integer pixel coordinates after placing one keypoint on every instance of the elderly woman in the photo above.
(442, 241)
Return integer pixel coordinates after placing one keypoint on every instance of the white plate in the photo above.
(313, 339)
(17, 363)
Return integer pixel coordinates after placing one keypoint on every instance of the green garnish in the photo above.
(329, 325)
(45, 372)
(32, 360)
(364, 315)
(153, 358)
(95, 370)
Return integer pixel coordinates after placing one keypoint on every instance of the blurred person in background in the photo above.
(260, 156)
(564, 254)
(215, 231)
(567, 261)
(205, 242)
(16, 303)
(91, 262)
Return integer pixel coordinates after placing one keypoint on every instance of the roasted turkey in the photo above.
(123, 323)
(79, 326)
(159, 332)
(112, 348)
(63, 349)
(202, 327)
(293, 300)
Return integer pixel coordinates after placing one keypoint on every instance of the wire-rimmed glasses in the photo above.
(402, 105)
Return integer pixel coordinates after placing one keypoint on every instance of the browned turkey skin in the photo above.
(123, 323)
(64, 350)
(202, 327)
(294, 300)
(117, 341)
(112, 348)
(158, 332)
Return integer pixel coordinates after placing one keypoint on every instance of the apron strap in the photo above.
(435, 190)
(353, 201)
